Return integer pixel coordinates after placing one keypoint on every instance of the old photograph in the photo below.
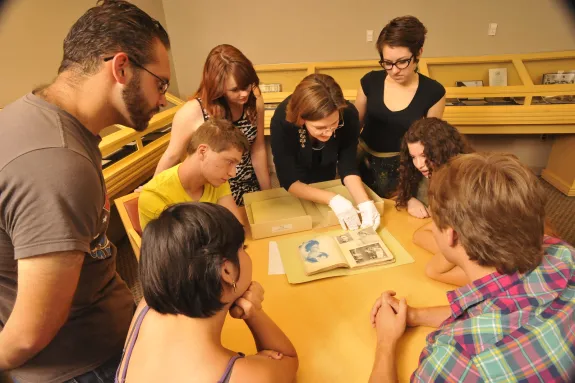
(311, 252)
(367, 253)
(367, 231)
(344, 238)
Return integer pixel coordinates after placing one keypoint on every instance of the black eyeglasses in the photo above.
(400, 64)
(164, 85)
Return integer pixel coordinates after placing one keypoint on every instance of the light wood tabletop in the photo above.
(328, 320)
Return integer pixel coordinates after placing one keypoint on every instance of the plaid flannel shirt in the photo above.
(508, 328)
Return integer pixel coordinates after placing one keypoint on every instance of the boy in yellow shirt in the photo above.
(214, 151)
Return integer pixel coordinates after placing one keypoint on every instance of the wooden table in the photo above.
(328, 320)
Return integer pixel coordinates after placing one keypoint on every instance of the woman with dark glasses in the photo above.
(390, 100)
(313, 132)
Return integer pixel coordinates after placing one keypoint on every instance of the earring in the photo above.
(234, 285)
(302, 136)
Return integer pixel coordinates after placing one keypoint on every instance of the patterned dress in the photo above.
(245, 180)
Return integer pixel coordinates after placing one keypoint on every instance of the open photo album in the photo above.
(352, 249)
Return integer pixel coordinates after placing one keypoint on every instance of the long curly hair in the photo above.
(440, 141)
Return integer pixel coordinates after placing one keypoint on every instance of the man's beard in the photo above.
(136, 105)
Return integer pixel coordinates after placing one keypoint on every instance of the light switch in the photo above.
(369, 35)
(492, 29)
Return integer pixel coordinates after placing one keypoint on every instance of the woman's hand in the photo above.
(249, 303)
(345, 212)
(369, 215)
(416, 208)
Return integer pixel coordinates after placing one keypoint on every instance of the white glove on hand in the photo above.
(369, 215)
(345, 212)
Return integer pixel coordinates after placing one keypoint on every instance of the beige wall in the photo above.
(31, 36)
(321, 30)
(32, 31)
(331, 30)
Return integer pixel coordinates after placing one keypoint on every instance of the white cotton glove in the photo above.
(345, 212)
(369, 215)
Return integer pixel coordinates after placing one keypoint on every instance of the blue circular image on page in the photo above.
(311, 251)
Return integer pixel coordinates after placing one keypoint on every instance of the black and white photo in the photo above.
(367, 253)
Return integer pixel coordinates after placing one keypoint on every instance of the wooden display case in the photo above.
(524, 106)
(524, 75)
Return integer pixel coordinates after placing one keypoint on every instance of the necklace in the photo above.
(320, 147)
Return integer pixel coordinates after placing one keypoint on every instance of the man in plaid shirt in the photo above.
(516, 321)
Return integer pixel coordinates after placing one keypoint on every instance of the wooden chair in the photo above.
(128, 209)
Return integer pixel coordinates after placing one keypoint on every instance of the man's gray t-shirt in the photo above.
(53, 199)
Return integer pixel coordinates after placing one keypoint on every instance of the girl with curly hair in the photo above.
(428, 144)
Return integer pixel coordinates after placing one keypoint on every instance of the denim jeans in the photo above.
(103, 374)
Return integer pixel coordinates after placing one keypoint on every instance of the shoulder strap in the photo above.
(130, 345)
(204, 112)
(227, 374)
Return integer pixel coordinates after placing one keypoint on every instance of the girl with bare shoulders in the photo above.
(194, 270)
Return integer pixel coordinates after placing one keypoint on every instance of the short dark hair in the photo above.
(404, 31)
(497, 207)
(181, 257)
(219, 135)
(111, 26)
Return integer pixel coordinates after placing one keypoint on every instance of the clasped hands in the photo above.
(348, 216)
(390, 316)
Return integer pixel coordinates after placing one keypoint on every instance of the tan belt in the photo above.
(366, 148)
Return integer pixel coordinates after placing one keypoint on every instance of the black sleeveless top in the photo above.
(384, 129)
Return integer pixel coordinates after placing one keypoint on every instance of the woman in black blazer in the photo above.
(314, 132)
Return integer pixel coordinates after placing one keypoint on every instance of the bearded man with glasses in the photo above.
(64, 311)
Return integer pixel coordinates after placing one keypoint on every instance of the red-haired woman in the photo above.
(390, 100)
(229, 89)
